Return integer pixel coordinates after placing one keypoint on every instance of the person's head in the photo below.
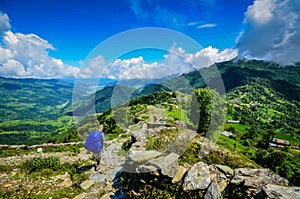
(101, 127)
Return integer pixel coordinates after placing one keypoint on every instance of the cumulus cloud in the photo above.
(26, 55)
(177, 61)
(271, 31)
(4, 22)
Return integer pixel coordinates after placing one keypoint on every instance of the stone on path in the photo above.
(143, 156)
(87, 184)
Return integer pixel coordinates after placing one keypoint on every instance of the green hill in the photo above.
(32, 109)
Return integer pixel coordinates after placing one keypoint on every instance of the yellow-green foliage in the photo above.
(225, 158)
(159, 143)
(192, 155)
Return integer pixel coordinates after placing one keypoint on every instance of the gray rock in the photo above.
(139, 146)
(252, 180)
(167, 164)
(143, 156)
(198, 177)
(87, 184)
(280, 192)
(97, 177)
(224, 169)
(213, 191)
(138, 135)
(147, 169)
(256, 178)
(91, 195)
(135, 158)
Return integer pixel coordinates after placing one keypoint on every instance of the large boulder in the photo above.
(138, 136)
(272, 191)
(135, 158)
(167, 164)
(198, 177)
(142, 156)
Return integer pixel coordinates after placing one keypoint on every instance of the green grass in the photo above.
(177, 114)
(5, 168)
(239, 127)
(229, 143)
(296, 153)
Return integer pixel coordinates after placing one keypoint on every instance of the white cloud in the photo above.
(272, 31)
(4, 22)
(12, 68)
(177, 61)
(26, 55)
(92, 67)
(209, 25)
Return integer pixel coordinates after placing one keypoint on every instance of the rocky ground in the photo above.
(97, 183)
(213, 180)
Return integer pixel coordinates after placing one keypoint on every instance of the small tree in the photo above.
(207, 111)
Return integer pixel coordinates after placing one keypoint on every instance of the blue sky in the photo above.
(69, 30)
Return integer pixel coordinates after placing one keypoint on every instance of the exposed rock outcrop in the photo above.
(272, 191)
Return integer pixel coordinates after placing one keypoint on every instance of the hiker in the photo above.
(94, 143)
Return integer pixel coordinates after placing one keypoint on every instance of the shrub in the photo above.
(160, 142)
(38, 164)
(191, 155)
(5, 168)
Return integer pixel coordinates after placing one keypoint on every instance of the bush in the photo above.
(159, 143)
(225, 158)
(39, 164)
(192, 155)
(5, 168)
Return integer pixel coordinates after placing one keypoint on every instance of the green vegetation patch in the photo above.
(160, 142)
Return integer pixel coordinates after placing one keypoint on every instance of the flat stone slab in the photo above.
(143, 156)
(97, 177)
(87, 184)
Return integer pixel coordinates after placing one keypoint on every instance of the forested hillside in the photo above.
(32, 109)
(264, 92)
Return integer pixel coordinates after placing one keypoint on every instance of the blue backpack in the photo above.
(94, 142)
